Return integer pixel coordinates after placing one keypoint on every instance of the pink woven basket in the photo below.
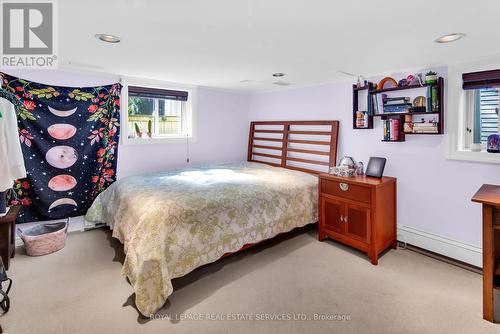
(44, 239)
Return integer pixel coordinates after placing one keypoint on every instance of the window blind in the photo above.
(156, 93)
(483, 79)
(486, 114)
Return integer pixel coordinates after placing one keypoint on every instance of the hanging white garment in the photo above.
(11, 156)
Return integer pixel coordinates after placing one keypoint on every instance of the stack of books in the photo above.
(390, 101)
(391, 105)
(391, 129)
(395, 105)
(425, 127)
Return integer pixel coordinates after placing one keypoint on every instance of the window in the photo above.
(472, 109)
(154, 113)
(482, 104)
(485, 113)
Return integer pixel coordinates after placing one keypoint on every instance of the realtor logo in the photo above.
(28, 34)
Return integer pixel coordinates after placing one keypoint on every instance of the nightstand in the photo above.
(8, 234)
(359, 211)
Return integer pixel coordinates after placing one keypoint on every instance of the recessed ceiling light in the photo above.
(449, 38)
(278, 75)
(108, 38)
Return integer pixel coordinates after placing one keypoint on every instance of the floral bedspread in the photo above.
(173, 222)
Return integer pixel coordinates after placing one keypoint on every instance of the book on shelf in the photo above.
(397, 105)
(397, 100)
(425, 128)
(394, 129)
(434, 99)
(378, 103)
(397, 108)
(417, 126)
(391, 129)
(369, 106)
(429, 98)
(381, 99)
(425, 131)
(425, 125)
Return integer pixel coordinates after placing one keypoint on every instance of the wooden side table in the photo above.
(359, 211)
(489, 196)
(8, 234)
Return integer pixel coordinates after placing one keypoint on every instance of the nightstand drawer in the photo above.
(346, 190)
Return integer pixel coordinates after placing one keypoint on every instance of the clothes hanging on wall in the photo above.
(11, 156)
(69, 140)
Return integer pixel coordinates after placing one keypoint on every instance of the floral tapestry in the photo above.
(69, 138)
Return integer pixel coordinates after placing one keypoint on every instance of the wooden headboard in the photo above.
(308, 146)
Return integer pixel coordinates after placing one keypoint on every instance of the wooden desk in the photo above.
(8, 235)
(489, 196)
(359, 211)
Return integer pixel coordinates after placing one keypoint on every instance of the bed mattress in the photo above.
(173, 222)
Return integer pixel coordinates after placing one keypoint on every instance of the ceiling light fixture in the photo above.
(278, 75)
(449, 38)
(108, 38)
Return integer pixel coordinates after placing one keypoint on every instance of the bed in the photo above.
(173, 222)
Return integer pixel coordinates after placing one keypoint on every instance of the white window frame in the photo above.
(458, 116)
(470, 110)
(191, 112)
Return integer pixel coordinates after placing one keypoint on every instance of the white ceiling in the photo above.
(219, 43)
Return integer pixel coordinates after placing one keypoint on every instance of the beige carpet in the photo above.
(80, 290)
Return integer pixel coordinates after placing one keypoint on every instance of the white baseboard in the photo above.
(441, 245)
(413, 236)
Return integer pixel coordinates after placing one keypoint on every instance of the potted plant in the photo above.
(431, 77)
(149, 129)
(138, 130)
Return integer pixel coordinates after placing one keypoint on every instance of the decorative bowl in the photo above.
(348, 162)
(342, 171)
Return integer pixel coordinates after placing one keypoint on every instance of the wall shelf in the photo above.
(367, 86)
(393, 141)
(408, 113)
(438, 112)
(377, 91)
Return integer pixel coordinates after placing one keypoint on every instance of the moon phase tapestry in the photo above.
(69, 138)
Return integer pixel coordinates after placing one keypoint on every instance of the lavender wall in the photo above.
(433, 193)
(222, 125)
